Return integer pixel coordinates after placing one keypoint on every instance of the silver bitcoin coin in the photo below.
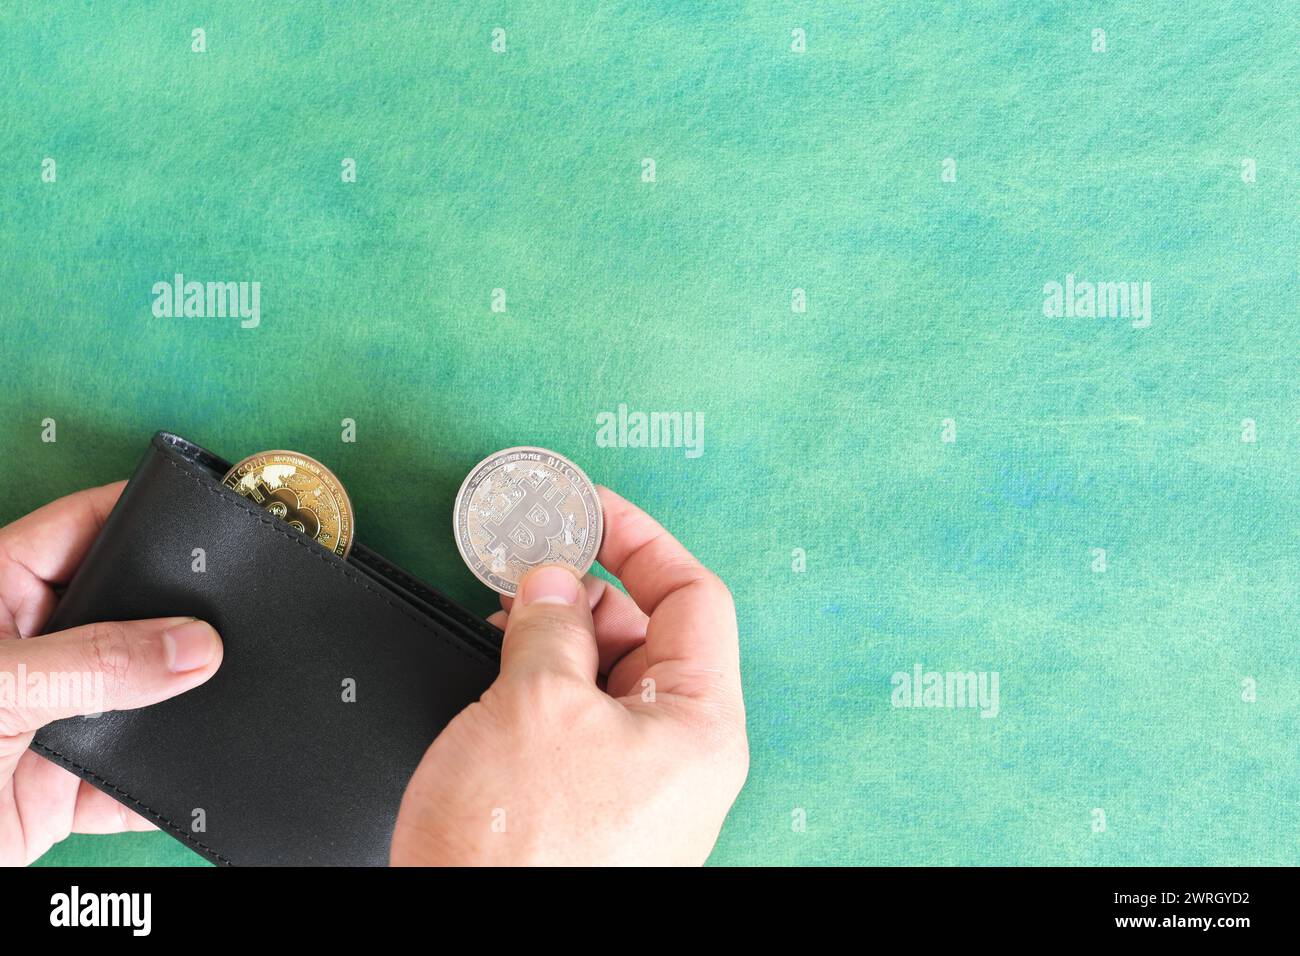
(522, 507)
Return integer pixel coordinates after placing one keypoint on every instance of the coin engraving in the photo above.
(522, 507)
(298, 490)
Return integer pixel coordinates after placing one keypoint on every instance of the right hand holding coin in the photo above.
(615, 732)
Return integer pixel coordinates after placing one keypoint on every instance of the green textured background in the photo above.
(775, 170)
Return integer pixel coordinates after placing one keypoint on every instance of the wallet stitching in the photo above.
(157, 817)
(312, 550)
(425, 593)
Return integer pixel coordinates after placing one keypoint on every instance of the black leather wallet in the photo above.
(268, 762)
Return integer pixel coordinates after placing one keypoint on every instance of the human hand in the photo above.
(615, 733)
(84, 670)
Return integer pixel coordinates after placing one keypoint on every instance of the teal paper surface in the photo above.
(1123, 732)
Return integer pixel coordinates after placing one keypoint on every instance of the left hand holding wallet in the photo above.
(337, 671)
(116, 666)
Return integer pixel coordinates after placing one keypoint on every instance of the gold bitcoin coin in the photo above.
(298, 490)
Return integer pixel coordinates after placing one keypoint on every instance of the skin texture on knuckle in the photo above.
(721, 598)
(738, 762)
(553, 625)
(541, 708)
(692, 574)
(108, 650)
(717, 588)
(707, 740)
(551, 639)
(14, 738)
(716, 726)
(552, 697)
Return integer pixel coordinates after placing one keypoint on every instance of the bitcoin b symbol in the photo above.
(525, 531)
(286, 505)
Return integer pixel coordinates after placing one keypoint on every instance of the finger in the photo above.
(44, 795)
(692, 617)
(97, 812)
(620, 624)
(498, 619)
(99, 667)
(25, 603)
(620, 627)
(51, 541)
(550, 628)
(46, 545)
(595, 587)
(48, 803)
(628, 674)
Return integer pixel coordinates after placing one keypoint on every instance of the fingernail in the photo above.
(550, 585)
(189, 646)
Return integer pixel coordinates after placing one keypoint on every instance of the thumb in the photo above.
(549, 629)
(117, 665)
